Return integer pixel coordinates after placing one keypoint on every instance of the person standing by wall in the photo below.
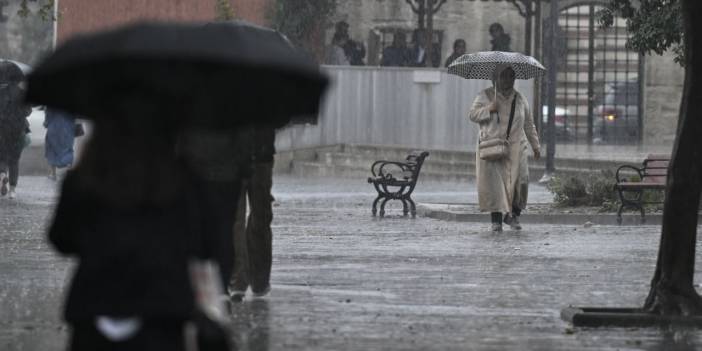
(335, 52)
(61, 130)
(13, 126)
(459, 49)
(500, 40)
(419, 50)
(253, 248)
(397, 54)
(503, 184)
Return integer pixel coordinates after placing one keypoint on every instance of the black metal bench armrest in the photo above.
(621, 179)
(378, 169)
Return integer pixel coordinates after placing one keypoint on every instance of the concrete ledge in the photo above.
(444, 212)
(623, 317)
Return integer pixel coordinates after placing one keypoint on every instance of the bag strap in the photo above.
(511, 115)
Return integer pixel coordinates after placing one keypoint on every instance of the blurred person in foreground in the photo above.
(503, 184)
(134, 218)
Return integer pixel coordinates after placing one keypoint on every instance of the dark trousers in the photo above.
(253, 237)
(223, 198)
(10, 164)
(151, 336)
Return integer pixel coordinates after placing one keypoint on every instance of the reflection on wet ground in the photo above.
(343, 280)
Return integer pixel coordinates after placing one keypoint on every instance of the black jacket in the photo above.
(132, 261)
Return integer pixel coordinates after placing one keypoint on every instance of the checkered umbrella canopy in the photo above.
(482, 64)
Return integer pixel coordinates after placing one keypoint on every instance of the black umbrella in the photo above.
(213, 75)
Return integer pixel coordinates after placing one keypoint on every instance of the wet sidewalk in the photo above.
(343, 280)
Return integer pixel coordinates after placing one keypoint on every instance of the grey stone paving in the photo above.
(343, 280)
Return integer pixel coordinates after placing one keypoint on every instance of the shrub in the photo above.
(594, 189)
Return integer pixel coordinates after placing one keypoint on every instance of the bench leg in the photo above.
(382, 206)
(643, 214)
(405, 208)
(413, 208)
(375, 205)
(619, 213)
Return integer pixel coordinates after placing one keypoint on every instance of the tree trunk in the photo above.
(421, 12)
(429, 35)
(672, 291)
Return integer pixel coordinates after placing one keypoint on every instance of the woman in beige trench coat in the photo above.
(503, 184)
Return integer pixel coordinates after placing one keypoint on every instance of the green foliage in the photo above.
(595, 189)
(299, 19)
(45, 10)
(223, 10)
(655, 25)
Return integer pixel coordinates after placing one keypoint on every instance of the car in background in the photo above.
(617, 116)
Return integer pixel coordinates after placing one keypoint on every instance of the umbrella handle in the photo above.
(494, 100)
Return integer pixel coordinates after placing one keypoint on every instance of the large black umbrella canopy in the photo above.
(213, 75)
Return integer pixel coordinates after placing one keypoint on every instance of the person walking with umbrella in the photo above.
(503, 184)
(13, 125)
(137, 214)
(506, 131)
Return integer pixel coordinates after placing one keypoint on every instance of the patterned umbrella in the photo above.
(481, 65)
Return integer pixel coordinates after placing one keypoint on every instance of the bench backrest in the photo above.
(655, 169)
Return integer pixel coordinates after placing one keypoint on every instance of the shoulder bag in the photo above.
(496, 149)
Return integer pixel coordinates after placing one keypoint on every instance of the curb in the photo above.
(540, 218)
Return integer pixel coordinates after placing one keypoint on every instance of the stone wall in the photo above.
(254, 11)
(79, 16)
(464, 19)
(24, 39)
(663, 87)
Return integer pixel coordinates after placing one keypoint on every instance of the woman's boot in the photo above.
(496, 221)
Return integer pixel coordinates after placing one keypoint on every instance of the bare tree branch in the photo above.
(524, 12)
(438, 6)
(414, 8)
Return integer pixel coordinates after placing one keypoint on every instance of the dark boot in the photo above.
(496, 221)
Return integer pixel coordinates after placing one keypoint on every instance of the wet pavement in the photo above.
(343, 280)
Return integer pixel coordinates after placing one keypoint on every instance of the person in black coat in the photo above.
(131, 216)
(13, 126)
(252, 236)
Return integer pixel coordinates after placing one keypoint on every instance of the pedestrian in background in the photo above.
(335, 52)
(500, 40)
(418, 52)
(397, 54)
(503, 184)
(253, 248)
(61, 131)
(459, 49)
(220, 160)
(14, 126)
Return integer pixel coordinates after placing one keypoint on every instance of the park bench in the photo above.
(650, 177)
(396, 181)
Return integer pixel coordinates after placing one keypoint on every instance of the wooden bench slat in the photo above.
(641, 185)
